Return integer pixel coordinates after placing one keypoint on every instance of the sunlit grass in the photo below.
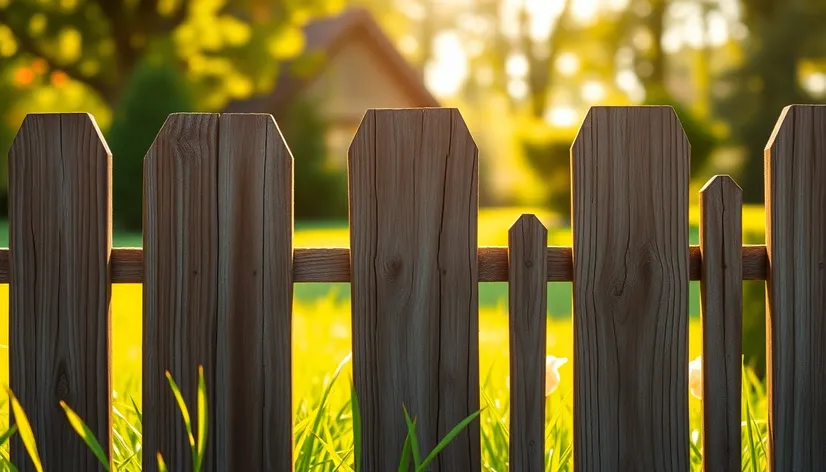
(322, 338)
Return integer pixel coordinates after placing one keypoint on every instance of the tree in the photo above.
(782, 33)
(221, 43)
(320, 190)
(155, 90)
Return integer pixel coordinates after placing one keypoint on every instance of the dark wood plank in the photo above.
(796, 287)
(413, 212)
(180, 290)
(528, 301)
(322, 264)
(255, 295)
(60, 238)
(630, 170)
(721, 301)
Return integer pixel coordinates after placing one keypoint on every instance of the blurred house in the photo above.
(349, 65)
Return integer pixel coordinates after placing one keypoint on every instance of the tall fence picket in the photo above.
(630, 233)
(413, 213)
(60, 210)
(180, 242)
(721, 300)
(254, 295)
(796, 289)
(218, 289)
(528, 301)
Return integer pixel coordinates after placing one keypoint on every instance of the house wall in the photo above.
(355, 80)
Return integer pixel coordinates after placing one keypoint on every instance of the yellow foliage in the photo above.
(286, 43)
(8, 45)
(37, 24)
(70, 43)
(234, 31)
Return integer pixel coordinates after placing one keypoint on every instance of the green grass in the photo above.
(324, 421)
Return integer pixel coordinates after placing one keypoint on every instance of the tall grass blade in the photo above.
(309, 443)
(8, 434)
(750, 434)
(354, 401)
(404, 463)
(137, 410)
(185, 415)
(161, 464)
(202, 419)
(86, 434)
(414, 441)
(25, 430)
(446, 440)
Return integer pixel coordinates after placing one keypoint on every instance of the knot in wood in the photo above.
(528, 263)
(392, 267)
(62, 383)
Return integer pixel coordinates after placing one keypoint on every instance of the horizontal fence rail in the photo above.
(218, 269)
(328, 265)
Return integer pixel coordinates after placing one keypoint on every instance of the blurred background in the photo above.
(522, 72)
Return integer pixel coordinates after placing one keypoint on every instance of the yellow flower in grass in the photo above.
(552, 378)
(552, 365)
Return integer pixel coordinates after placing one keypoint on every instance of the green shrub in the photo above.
(320, 189)
(154, 91)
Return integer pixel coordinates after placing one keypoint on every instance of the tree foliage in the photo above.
(154, 91)
(228, 48)
(782, 35)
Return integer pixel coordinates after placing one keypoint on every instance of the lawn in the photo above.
(321, 335)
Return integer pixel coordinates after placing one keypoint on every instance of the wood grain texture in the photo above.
(528, 301)
(180, 290)
(796, 288)
(59, 317)
(413, 177)
(322, 264)
(630, 169)
(254, 362)
(721, 301)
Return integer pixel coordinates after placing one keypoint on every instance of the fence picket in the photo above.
(796, 289)
(60, 240)
(630, 232)
(255, 294)
(180, 242)
(218, 288)
(528, 300)
(721, 299)
(413, 212)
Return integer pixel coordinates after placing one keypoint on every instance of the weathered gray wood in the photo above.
(255, 295)
(630, 169)
(796, 288)
(60, 238)
(528, 300)
(321, 264)
(721, 299)
(413, 212)
(180, 241)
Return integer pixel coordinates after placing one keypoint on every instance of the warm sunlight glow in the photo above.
(562, 117)
(516, 66)
(567, 63)
(446, 74)
(585, 10)
(593, 91)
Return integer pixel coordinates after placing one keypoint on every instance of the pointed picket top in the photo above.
(629, 174)
(795, 223)
(413, 178)
(60, 241)
(40, 129)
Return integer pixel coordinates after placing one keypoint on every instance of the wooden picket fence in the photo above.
(218, 268)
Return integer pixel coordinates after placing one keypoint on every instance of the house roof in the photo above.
(328, 35)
